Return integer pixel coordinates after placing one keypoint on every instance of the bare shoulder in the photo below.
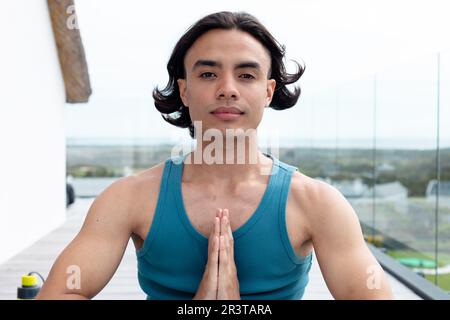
(143, 197)
(149, 175)
(128, 196)
(317, 199)
(128, 189)
(137, 185)
(303, 185)
(307, 191)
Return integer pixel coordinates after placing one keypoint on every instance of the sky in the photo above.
(343, 44)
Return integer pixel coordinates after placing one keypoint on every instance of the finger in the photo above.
(215, 232)
(230, 241)
(213, 269)
(223, 226)
(217, 227)
(215, 253)
(213, 258)
(227, 214)
(221, 272)
(229, 233)
(223, 256)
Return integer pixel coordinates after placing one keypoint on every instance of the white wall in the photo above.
(32, 136)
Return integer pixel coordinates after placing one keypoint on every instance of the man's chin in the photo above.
(222, 129)
(215, 133)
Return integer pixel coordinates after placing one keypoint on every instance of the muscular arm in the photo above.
(95, 253)
(349, 268)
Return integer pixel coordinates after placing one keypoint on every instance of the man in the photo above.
(222, 228)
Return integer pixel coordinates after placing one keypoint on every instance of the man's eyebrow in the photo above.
(208, 63)
(248, 64)
(240, 65)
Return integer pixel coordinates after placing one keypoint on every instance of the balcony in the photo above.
(124, 285)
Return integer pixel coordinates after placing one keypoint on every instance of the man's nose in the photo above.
(227, 88)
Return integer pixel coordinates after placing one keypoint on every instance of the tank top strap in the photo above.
(286, 178)
(165, 191)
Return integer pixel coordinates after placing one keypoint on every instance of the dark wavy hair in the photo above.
(168, 100)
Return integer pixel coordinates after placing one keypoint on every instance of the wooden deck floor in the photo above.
(124, 285)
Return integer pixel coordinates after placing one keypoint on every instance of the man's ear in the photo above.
(182, 87)
(271, 84)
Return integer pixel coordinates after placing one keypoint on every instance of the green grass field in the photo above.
(444, 259)
(443, 281)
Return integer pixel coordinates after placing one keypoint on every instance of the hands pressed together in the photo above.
(220, 281)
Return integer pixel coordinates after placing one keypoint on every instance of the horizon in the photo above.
(288, 142)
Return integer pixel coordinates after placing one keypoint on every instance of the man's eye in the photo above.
(248, 76)
(206, 75)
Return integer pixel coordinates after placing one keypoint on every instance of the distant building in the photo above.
(390, 191)
(351, 189)
(444, 192)
(393, 192)
(385, 167)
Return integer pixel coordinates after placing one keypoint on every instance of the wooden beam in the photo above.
(70, 50)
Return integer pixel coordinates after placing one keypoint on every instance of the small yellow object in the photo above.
(29, 281)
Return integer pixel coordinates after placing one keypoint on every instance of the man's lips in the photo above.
(227, 113)
(227, 110)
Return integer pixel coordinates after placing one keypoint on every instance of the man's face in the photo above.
(227, 68)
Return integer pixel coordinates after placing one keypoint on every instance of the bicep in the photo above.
(348, 267)
(87, 264)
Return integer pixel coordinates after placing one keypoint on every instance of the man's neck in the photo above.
(227, 167)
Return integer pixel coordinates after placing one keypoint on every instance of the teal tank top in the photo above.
(172, 260)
